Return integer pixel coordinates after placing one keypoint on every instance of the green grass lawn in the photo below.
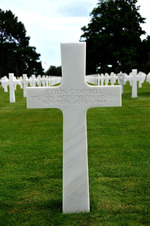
(119, 163)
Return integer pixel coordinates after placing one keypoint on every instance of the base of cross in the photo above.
(74, 97)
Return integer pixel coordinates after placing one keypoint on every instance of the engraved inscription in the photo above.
(74, 96)
(75, 195)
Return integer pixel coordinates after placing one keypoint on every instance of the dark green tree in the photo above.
(54, 71)
(113, 36)
(15, 53)
(144, 52)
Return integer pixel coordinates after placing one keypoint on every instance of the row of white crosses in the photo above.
(102, 79)
(122, 78)
(44, 80)
(98, 79)
(24, 82)
(34, 81)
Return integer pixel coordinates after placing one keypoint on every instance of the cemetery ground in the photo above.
(118, 155)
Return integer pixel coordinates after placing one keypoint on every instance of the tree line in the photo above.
(16, 55)
(114, 39)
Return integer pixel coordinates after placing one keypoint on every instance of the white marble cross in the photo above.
(74, 97)
(25, 81)
(121, 80)
(148, 78)
(33, 81)
(133, 78)
(113, 78)
(102, 78)
(39, 80)
(107, 78)
(141, 78)
(12, 86)
(5, 82)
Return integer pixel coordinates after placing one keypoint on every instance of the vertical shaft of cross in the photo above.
(25, 84)
(134, 83)
(75, 161)
(75, 56)
(11, 88)
(134, 89)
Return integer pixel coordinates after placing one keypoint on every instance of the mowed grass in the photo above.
(119, 163)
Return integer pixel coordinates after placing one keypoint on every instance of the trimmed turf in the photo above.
(119, 163)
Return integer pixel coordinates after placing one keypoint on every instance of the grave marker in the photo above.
(121, 80)
(5, 83)
(141, 78)
(148, 78)
(133, 78)
(33, 81)
(39, 80)
(102, 79)
(74, 97)
(107, 78)
(25, 82)
(12, 86)
(113, 78)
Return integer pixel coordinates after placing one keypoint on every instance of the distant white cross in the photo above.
(134, 78)
(12, 86)
(148, 78)
(121, 80)
(25, 81)
(74, 97)
(5, 82)
(33, 81)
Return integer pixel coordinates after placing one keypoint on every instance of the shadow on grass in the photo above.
(36, 213)
(53, 205)
(145, 94)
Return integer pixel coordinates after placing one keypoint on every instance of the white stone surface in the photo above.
(74, 97)
(33, 81)
(12, 85)
(121, 80)
(92, 79)
(20, 80)
(107, 78)
(102, 79)
(43, 80)
(113, 78)
(134, 83)
(148, 78)
(39, 80)
(141, 78)
(25, 82)
(5, 82)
